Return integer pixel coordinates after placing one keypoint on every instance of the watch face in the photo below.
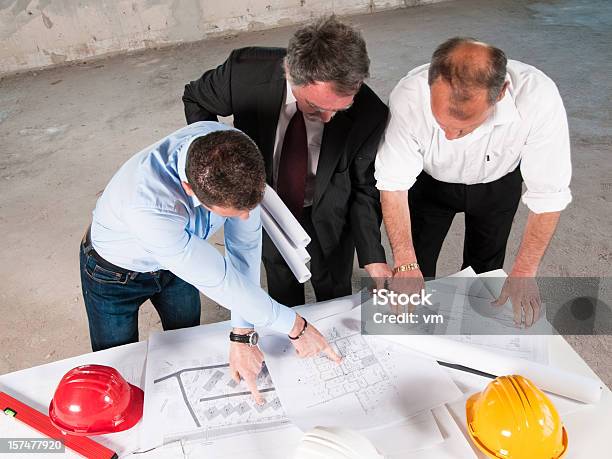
(254, 338)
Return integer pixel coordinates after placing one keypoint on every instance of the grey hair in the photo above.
(464, 76)
(330, 51)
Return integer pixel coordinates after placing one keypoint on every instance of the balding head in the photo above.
(467, 78)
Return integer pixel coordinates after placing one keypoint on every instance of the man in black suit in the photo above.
(318, 127)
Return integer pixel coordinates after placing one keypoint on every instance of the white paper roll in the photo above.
(303, 254)
(547, 378)
(289, 253)
(284, 218)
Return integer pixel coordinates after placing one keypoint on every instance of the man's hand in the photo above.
(311, 343)
(380, 272)
(408, 282)
(524, 294)
(521, 286)
(246, 363)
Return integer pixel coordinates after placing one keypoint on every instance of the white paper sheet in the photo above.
(464, 301)
(533, 347)
(171, 451)
(527, 347)
(190, 395)
(277, 209)
(294, 259)
(526, 344)
(273, 444)
(454, 446)
(547, 378)
(372, 387)
(416, 433)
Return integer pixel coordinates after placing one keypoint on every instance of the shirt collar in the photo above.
(182, 164)
(505, 109)
(289, 98)
(503, 113)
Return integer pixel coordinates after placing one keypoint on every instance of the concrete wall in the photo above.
(40, 33)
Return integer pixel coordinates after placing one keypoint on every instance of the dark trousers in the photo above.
(331, 275)
(113, 296)
(489, 212)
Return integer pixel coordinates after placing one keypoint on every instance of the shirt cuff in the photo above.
(285, 320)
(373, 254)
(540, 202)
(395, 185)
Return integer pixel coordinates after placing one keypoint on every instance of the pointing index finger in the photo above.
(252, 385)
(329, 352)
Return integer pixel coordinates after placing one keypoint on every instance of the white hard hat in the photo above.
(335, 443)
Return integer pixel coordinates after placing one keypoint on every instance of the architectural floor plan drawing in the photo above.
(190, 394)
(218, 405)
(372, 386)
(361, 372)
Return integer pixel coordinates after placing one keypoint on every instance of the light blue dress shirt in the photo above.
(144, 221)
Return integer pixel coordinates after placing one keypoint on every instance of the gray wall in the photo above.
(40, 33)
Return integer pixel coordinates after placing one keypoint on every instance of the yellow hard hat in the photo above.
(513, 419)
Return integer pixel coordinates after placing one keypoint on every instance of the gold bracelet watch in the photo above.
(407, 267)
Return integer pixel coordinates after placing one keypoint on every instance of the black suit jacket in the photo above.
(251, 86)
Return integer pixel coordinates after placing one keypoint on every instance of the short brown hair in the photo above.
(226, 169)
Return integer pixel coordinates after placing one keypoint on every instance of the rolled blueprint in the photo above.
(289, 253)
(550, 379)
(284, 218)
(303, 254)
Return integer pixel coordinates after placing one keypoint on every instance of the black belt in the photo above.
(90, 251)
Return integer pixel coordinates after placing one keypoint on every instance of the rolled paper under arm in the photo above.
(279, 212)
(286, 249)
(303, 254)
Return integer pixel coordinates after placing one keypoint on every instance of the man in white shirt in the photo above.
(464, 132)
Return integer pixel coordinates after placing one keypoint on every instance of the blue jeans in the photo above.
(114, 296)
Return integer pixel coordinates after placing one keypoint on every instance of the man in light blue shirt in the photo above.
(148, 241)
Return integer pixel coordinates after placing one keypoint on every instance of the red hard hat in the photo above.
(95, 400)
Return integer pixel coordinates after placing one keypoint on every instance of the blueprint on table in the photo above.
(190, 395)
(378, 383)
(216, 403)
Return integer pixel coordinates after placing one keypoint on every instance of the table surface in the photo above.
(589, 427)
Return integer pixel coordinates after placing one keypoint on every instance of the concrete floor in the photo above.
(65, 131)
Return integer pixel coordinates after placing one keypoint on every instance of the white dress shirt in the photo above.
(314, 134)
(528, 126)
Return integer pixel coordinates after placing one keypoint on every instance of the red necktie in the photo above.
(293, 166)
